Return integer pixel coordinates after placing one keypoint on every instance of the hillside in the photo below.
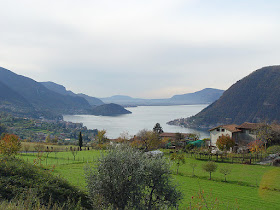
(42, 99)
(62, 90)
(109, 110)
(205, 96)
(254, 98)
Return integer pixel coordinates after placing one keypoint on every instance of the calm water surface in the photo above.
(142, 117)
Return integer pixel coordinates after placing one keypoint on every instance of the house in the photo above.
(218, 131)
(174, 136)
(241, 134)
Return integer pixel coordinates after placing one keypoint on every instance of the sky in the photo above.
(144, 48)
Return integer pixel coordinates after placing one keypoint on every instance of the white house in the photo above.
(241, 134)
(218, 131)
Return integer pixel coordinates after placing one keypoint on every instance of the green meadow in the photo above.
(247, 186)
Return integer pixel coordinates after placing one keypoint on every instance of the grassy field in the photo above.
(248, 186)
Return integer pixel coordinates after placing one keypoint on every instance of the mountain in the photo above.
(37, 97)
(62, 90)
(12, 102)
(109, 110)
(254, 98)
(205, 96)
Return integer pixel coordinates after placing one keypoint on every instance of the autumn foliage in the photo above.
(256, 146)
(9, 144)
(225, 142)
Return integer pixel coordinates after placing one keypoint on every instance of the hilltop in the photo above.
(254, 98)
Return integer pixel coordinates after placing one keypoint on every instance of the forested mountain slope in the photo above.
(254, 98)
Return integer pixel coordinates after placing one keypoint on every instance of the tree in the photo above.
(124, 137)
(80, 141)
(179, 159)
(193, 165)
(225, 142)
(101, 137)
(26, 147)
(126, 178)
(265, 133)
(74, 153)
(256, 146)
(210, 167)
(48, 139)
(157, 128)
(10, 144)
(148, 139)
(39, 147)
(225, 171)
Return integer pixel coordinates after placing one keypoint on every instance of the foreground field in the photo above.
(248, 186)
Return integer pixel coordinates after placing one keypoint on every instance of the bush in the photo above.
(127, 178)
(17, 176)
(273, 149)
(225, 142)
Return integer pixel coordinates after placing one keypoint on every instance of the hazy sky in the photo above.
(143, 48)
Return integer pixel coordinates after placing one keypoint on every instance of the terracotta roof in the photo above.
(172, 135)
(232, 128)
(275, 127)
(251, 126)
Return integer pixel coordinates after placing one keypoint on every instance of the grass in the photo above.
(248, 186)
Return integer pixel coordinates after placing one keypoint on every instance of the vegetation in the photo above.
(255, 97)
(127, 178)
(80, 140)
(273, 149)
(109, 110)
(9, 145)
(51, 131)
(18, 177)
(247, 186)
(225, 142)
(146, 140)
(225, 171)
(157, 128)
(179, 159)
(210, 167)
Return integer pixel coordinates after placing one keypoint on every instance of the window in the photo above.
(218, 129)
(223, 130)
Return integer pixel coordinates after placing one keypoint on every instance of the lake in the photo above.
(142, 117)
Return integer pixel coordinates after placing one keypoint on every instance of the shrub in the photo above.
(17, 176)
(225, 142)
(273, 149)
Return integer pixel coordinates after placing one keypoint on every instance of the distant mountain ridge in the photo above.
(254, 98)
(62, 90)
(205, 96)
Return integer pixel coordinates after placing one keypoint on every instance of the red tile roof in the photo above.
(250, 126)
(172, 135)
(232, 128)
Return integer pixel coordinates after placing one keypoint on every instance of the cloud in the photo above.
(138, 48)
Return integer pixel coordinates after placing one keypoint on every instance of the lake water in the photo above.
(142, 117)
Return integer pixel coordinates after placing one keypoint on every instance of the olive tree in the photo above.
(126, 178)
